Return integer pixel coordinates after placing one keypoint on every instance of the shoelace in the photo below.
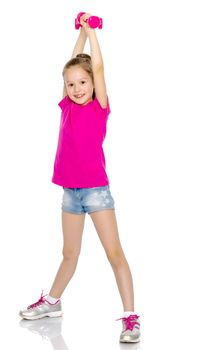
(39, 302)
(129, 322)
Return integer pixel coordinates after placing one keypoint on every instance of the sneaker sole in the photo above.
(50, 314)
(127, 339)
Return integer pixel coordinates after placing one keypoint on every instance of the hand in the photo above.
(84, 24)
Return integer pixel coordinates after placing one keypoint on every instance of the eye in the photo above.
(83, 82)
(70, 85)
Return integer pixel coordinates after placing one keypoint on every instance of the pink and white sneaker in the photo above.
(42, 308)
(131, 329)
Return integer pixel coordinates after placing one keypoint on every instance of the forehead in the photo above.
(75, 73)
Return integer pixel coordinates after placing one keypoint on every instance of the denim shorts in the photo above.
(87, 200)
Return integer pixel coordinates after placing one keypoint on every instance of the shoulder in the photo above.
(105, 110)
(66, 101)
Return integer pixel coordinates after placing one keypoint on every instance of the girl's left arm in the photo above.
(97, 62)
(98, 69)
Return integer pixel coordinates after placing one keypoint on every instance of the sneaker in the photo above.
(42, 308)
(131, 329)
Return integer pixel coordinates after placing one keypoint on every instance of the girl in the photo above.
(79, 168)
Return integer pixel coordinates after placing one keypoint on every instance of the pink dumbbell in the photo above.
(93, 21)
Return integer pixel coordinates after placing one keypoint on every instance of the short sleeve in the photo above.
(106, 111)
(64, 103)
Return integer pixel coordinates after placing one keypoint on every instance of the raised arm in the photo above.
(80, 43)
(97, 62)
(79, 46)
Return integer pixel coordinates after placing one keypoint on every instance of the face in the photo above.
(79, 85)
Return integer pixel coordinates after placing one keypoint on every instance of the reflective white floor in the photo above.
(81, 332)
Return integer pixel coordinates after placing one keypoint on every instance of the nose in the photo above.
(76, 88)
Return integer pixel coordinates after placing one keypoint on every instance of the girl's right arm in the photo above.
(79, 46)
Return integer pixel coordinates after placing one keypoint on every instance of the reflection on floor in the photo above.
(50, 328)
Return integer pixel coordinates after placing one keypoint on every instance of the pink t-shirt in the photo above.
(80, 160)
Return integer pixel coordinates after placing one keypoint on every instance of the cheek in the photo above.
(70, 89)
(90, 87)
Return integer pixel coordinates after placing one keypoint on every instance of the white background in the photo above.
(149, 51)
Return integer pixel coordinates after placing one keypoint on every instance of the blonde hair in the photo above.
(83, 60)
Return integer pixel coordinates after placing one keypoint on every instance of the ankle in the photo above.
(128, 313)
(51, 299)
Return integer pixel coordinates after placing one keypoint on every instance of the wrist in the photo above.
(83, 33)
(91, 33)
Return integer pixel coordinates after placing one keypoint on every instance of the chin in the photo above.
(84, 102)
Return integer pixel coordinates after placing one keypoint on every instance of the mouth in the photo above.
(78, 96)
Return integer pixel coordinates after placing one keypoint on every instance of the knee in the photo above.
(116, 257)
(70, 253)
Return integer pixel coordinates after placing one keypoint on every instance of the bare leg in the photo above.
(106, 227)
(72, 225)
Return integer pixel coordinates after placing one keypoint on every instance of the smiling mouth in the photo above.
(79, 95)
